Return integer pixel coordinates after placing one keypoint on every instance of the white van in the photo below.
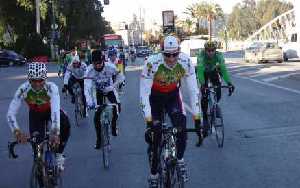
(191, 47)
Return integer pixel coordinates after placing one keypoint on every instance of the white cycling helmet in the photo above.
(170, 45)
(37, 70)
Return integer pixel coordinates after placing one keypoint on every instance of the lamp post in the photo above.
(37, 16)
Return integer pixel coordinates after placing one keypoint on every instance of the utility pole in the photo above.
(53, 27)
(37, 15)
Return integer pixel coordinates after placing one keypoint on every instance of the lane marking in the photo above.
(133, 68)
(279, 77)
(269, 84)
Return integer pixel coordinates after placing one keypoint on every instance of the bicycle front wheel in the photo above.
(105, 145)
(36, 177)
(219, 127)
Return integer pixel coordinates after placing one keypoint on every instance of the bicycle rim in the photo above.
(76, 113)
(219, 129)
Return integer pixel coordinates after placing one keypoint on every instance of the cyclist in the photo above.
(75, 73)
(115, 61)
(210, 67)
(42, 98)
(104, 77)
(122, 58)
(132, 53)
(67, 58)
(159, 92)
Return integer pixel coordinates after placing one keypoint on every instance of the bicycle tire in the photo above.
(36, 177)
(105, 145)
(76, 113)
(173, 177)
(219, 127)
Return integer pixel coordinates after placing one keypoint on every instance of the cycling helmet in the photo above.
(210, 45)
(97, 56)
(37, 71)
(170, 45)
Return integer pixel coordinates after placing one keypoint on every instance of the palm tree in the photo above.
(204, 10)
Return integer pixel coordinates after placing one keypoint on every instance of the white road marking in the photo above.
(279, 77)
(133, 68)
(269, 84)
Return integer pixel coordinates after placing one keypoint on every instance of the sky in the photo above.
(123, 10)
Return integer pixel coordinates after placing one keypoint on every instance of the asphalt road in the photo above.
(261, 148)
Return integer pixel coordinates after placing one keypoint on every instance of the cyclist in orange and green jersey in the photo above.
(210, 67)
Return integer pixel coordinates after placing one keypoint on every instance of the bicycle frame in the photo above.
(44, 169)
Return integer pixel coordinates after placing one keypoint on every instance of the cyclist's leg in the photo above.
(64, 131)
(215, 79)
(71, 82)
(157, 106)
(177, 115)
(204, 101)
(81, 82)
(37, 123)
(113, 98)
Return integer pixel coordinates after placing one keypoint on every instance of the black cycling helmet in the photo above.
(97, 57)
(210, 45)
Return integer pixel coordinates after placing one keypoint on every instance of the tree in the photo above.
(247, 17)
(205, 11)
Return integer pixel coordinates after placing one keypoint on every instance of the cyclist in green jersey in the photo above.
(210, 67)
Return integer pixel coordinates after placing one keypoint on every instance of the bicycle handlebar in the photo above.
(32, 140)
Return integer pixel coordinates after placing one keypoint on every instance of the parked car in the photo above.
(291, 48)
(261, 52)
(10, 58)
(142, 51)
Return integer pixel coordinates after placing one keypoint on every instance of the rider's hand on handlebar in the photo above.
(54, 139)
(230, 88)
(20, 137)
(64, 89)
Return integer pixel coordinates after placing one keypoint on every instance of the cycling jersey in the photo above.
(204, 64)
(44, 100)
(78, 73)
(101, 81)
(159, 77)
(118, 63)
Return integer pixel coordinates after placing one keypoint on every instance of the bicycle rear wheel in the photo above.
(219, 127)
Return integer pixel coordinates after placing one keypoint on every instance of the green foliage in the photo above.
(204, 11)
(247, 17)
(76, 19)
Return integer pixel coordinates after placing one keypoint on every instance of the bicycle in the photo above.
(215, 117)
(79, 106)
(45, 172)
(106, 118)
(170, 174)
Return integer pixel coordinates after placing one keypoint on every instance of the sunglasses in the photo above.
(171, 54)
(37, 80)
(210, 50)
(98, 62)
